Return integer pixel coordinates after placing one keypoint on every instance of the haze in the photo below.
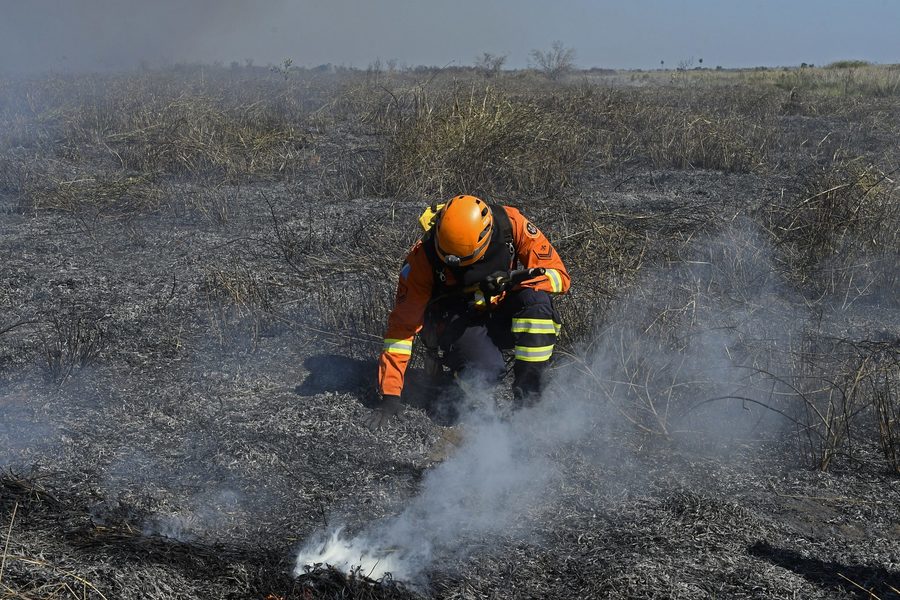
(78, 35)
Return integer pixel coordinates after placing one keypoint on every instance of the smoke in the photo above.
(207, 514)
(28, 434)
(190, 501)
(99, 35)
(670, 361)
(492, 478)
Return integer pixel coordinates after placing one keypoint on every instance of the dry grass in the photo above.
(195, 136)
(839, 232)
(478, 139)
(845, 393)
(846, 78)
(502, 140)
(115, 139)
(685, 140)
(115, 193)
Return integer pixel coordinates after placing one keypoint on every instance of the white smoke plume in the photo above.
(506, 472)
(494, 476)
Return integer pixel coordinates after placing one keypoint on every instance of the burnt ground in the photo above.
(183, 396)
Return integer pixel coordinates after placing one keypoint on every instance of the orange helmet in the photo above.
(463, 231)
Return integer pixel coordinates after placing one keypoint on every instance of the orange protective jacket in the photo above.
(414, 291)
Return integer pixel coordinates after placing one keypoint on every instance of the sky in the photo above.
(78, 35)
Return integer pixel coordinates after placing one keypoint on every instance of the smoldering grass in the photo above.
(54, 580)
(24, 489)
(323, 581)
(727, 330)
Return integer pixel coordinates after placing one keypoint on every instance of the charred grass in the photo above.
(135, 144)
(688, 309)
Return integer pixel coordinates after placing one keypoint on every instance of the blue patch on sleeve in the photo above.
(404, 272)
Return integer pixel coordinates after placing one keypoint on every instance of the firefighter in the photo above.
(454, 291)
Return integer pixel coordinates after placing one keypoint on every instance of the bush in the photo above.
(555, 62)
(848, 64)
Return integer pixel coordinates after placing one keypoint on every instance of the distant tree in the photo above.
(555, 62)
(490, 64)
(284, 69)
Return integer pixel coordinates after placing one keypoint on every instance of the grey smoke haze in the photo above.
(110, 34)
(28, 435)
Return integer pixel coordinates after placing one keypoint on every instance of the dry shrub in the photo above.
(352, 307)
(72, 344)
(327, 250)
(243, 301)
(482, 141)
(681, 139)
(845, 394)
(670, 130)
(602, 249)
(839, 233)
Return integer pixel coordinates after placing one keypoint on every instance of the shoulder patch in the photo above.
(404, 272)
(531, 229)
(545, 252)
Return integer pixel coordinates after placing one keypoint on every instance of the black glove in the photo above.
(378, 418)
(495, 284)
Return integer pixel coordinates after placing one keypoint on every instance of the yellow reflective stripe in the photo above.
(555, 280)
(535, 326)
(480, 301)
(539, 354)
(398, 346)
